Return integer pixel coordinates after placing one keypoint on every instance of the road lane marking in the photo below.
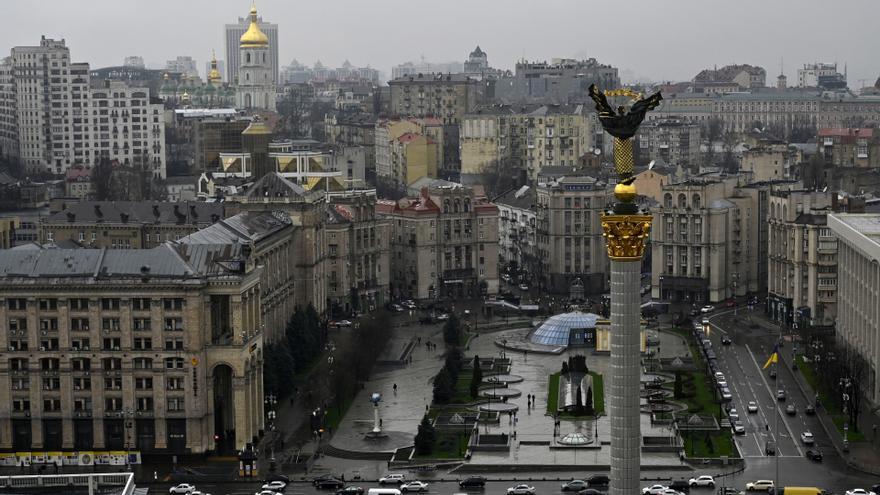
(776, 407)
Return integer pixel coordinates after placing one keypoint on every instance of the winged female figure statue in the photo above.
(622, 124)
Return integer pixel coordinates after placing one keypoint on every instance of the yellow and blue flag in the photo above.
(774, 357)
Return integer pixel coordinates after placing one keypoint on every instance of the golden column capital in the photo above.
(626, 235)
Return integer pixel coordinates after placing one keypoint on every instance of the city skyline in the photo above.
(738, 36)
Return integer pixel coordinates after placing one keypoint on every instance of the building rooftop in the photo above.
(159, 262)
(433, 78)
(138, 212)
(524, 198)
(244, 227)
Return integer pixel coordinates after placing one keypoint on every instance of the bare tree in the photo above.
(102, 179)
(498, 177)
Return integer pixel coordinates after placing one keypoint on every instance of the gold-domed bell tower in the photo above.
(214, 77)
(256, 83)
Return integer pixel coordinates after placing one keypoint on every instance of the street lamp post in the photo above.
(127, 415)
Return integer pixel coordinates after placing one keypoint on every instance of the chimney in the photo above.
(123, 217)
(98, 211)
(71, 217)
(156, 211)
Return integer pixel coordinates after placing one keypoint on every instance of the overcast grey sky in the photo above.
(654, 39)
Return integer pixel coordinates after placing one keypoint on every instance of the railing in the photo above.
(92, 481)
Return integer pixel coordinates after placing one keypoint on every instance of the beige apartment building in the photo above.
(770, 162)
(127, 224)
(850, 147)
(525, 139)
(444, 244)
(802, 284)
(358, 253)
(153, 350)
(569, 234)
(709, 240)
(672, 140)
(858, 296)
(445, 96)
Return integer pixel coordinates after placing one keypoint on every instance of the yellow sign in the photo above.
(195, 361)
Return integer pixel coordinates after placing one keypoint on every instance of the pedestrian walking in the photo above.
(395, 389)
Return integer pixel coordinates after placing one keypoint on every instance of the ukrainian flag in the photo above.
(774, 357)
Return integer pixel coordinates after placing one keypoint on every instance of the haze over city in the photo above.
(650, 40)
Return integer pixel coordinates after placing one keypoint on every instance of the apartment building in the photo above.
(802, 284)
(8, 113)
(671, 140)
(744, 76)
(444, 243)
(127, 224)
(445, 96)
(770, 162)
(358, 253)
(849, 147)
(408, 149)
(526, 138)
(518, 230)
(142, 349)
(858, 295)
(64, 121)
(562, 80)
(569, 234)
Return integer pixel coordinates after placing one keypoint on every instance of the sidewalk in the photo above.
(864, 456)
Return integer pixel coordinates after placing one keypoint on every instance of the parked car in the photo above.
(599, 480)
(396, 308)
(814, 455)
(183, 488)
(521, 490)
(859, 491)
(590, 491)
(730, 304)
(752, 407)
(770, 448)
(264, 492)
(704, 480)
(351, 490)
(772, 374)
(275, 486)
(654, 490)
(809, 410)
(790, 410)
(780, 394)
(728, 490)
(442, 317)
(277, 477)
(324, 476)
(473, 482)
(414, 486)
(760, 486)
(807, 438)
(574, 486)
(523, 287)
(330, 484)
(695, 312)
(725, 394)
(707, 309)
(725, 340)
(392, 479)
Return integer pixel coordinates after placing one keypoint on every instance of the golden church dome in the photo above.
(214, 76)
(254, 37)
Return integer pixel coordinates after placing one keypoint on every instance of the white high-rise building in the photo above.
(183, 64)
(63, 121)
(256, 84)
(234, 33)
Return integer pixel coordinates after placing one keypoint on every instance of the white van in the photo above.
(383, 491)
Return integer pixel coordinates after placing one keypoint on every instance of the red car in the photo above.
(730, 304)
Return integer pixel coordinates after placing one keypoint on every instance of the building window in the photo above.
(79, 304)
(48, 304)
(173, 304)
(174, 324)
(174, 363)
(175, 404)
(110, 324)
(108, 304)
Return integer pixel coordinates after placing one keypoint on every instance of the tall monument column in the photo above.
(625, 228)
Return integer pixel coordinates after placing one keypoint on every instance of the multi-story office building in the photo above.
(157, 350)
(445, 96)
(560, 81)
(569, 234)
(357, 129)
(444, 243)
(802, 284)
(8, 113)
(850, 147)
(358, 253)
(858, 295)
(769, 162)
(709, 240)
(127, 224)
(525, 139)
(63, 121)
(234, 33)
(518, 231)
(674, 141)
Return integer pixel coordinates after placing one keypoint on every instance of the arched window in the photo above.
(247, 76)
(667, 200)
(248, 57)
(467, 205)
(784, 212)
(445, 206)
(456, 206)
(264, 58)
(695, 201)
(247, 100)
(266, 101)
(682, 201)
